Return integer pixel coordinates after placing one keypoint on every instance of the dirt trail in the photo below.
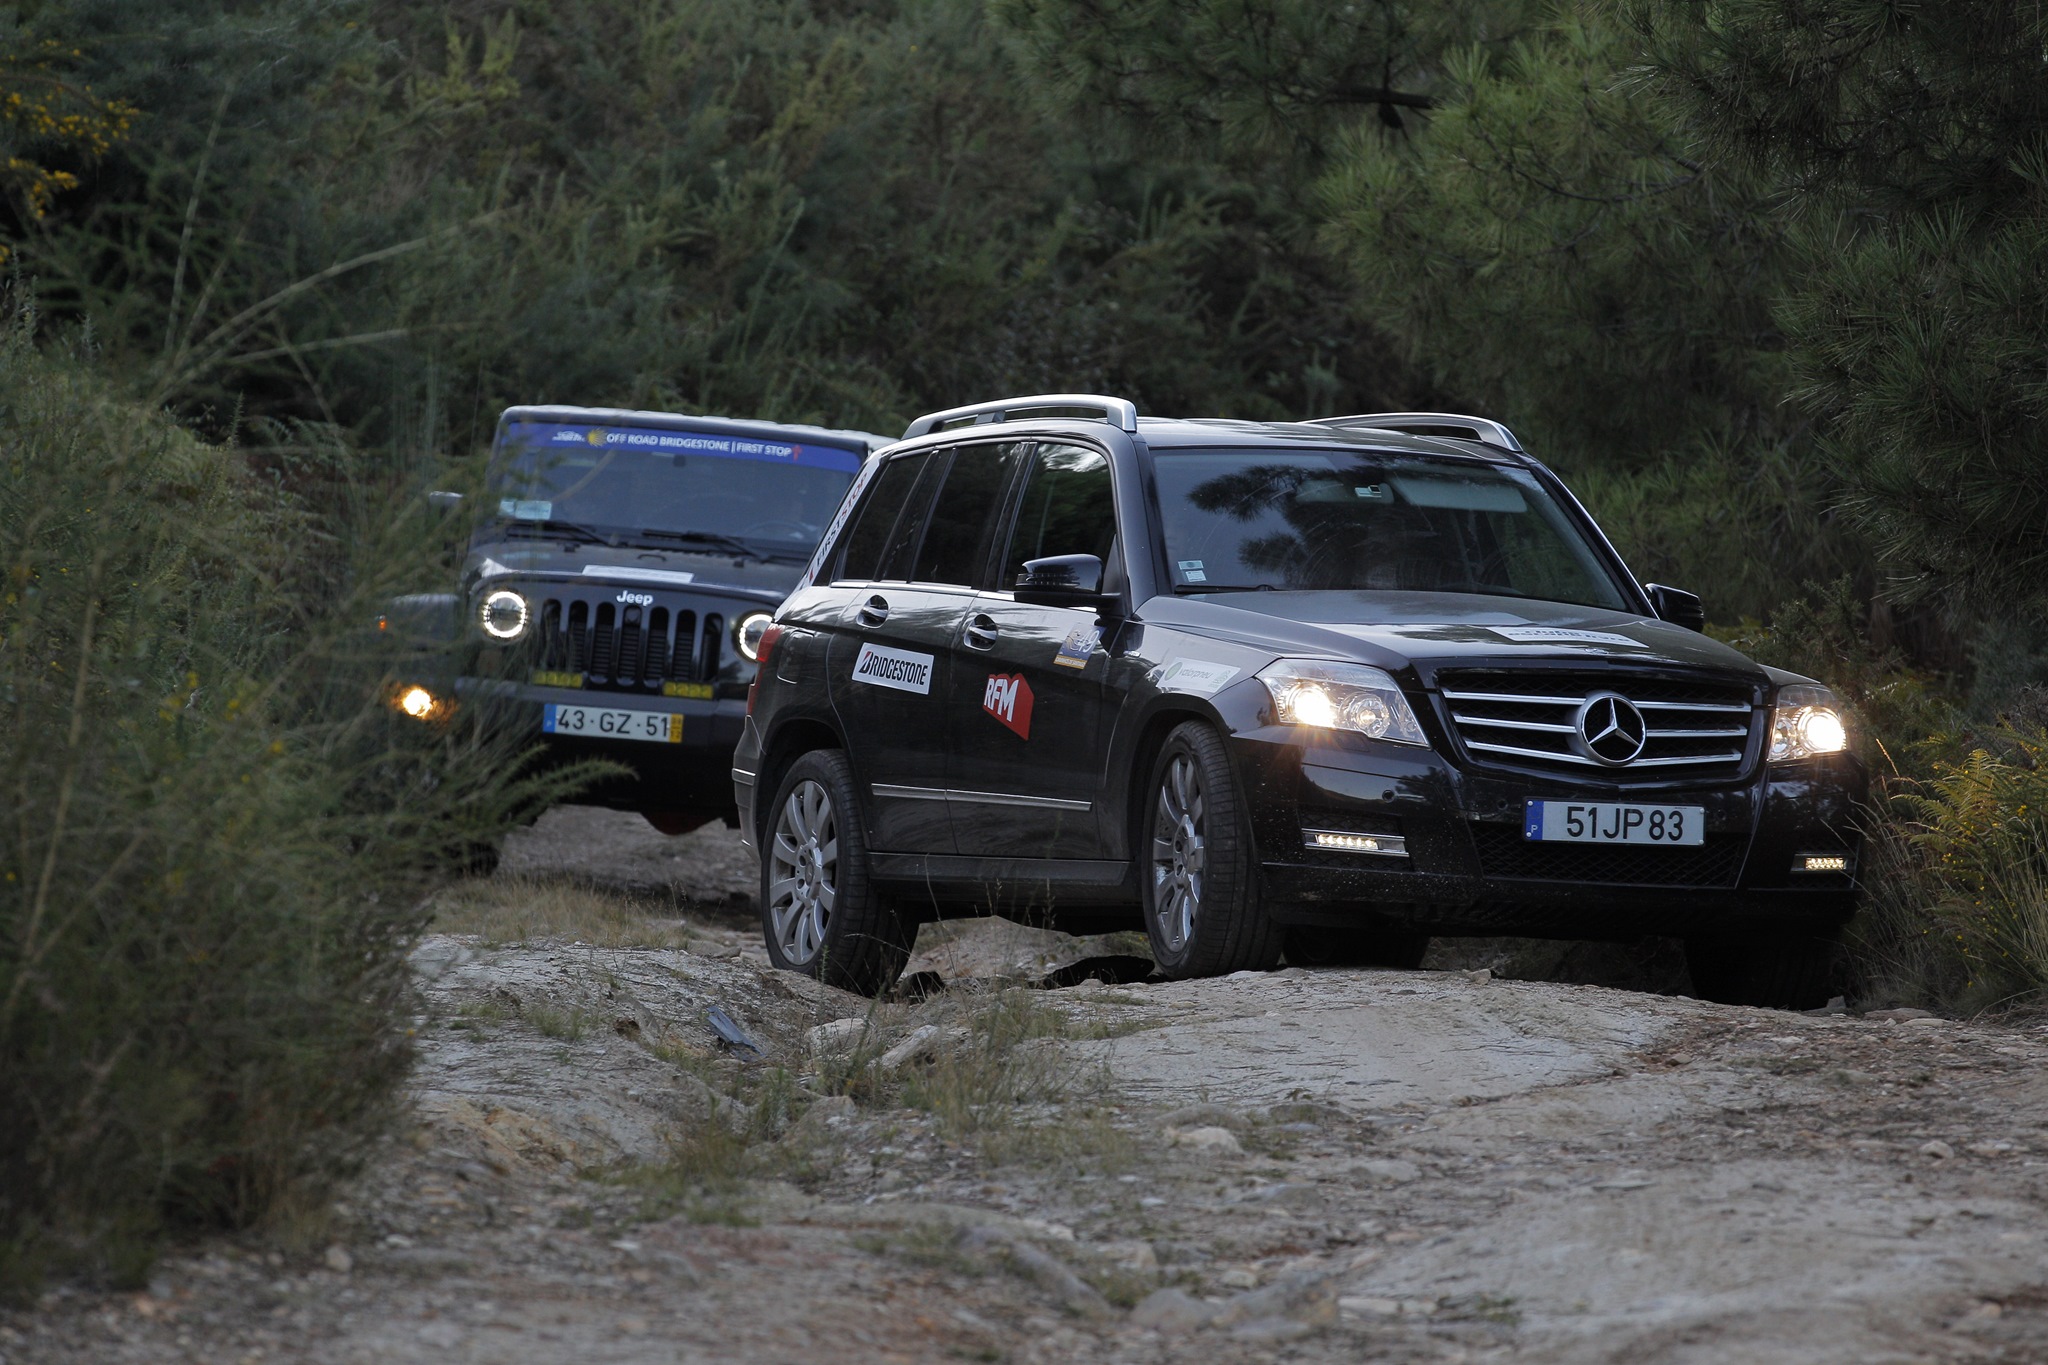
(1300, 1166)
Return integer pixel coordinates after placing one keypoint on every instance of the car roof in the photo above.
(866, 441)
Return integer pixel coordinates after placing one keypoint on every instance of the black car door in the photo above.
(885, 660)
(1027, 688)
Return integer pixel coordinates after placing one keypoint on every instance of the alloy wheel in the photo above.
(803, 871)
(1179, 852)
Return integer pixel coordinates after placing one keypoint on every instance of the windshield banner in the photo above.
(535, 436)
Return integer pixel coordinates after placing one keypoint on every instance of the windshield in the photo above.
(1337, 520)
(671, 488)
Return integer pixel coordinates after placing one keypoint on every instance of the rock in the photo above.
(920, 1043)
(443, 1336)
(1900, 1015)
(1091, 985)
(816, 1125)
(1835, 1005)
(1076, 1295)
(439, 955)
(1480, 977)
(1997, 1148)
(1273, 1329)
(1218, 1140)
(1305, 1296)
(1204, 1116)
(338, 1260)
(1937, 1149)
(831, 1039)
(1360, 1306)
(1287, 1195)
(1385, 1171)
(1130, 1255)
(1172, 1311)
(1239, 1279)
(1928, 1021)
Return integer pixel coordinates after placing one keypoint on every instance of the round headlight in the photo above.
(747, 634)
(504, 615)
(416, 702)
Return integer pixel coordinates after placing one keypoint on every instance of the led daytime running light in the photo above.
(504, 615)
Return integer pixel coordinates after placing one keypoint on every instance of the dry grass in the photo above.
(501, 910)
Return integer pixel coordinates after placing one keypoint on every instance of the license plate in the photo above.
(1601, 822)
(600, 722)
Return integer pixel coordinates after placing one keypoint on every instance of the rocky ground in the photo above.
(1302, 1166)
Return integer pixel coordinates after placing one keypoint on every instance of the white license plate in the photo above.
(601, 722)
(1602, 822)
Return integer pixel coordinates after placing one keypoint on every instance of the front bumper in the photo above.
(1468, 869)
(692, 775)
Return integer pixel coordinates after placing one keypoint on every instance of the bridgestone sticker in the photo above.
(1193, 675)
(897, 668)
(1546, 635)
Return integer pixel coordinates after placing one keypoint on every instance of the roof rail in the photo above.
(1122, 411)
(1449, 424)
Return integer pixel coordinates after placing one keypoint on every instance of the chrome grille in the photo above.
(1692, 728)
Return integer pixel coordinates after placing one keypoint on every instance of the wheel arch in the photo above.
(1159, 722)
(792, 739)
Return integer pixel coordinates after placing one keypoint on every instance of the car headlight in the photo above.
(1333, 696)
(504, 615)
(747, 634)
(1806, 721)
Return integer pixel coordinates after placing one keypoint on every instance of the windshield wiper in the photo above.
(1191, 589)
(714, 539)
(553, 527)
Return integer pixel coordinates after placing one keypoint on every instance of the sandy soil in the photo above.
(1299, 1166)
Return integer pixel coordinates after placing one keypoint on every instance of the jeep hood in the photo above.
(632, 566)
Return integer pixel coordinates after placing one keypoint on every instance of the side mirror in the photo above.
(445, 502)
(1061, 581)
(1677, 606)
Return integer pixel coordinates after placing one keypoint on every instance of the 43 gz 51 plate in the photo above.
(604, 722)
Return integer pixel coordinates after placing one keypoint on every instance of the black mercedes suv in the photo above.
(1321, 688)
(618, 582)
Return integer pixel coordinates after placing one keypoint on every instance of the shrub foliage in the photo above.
(216, 831)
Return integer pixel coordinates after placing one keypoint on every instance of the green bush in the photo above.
(217, 828)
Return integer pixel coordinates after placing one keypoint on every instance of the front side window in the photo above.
(888, 516)
(664, 487)
(1067, 509)
(1342, 520)
(963, 523)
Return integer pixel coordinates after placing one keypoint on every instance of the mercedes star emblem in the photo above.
(1611, 729)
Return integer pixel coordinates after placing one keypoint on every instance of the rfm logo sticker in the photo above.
(1008, 699)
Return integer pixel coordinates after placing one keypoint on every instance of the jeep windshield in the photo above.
(1345, 521)
(671, 489)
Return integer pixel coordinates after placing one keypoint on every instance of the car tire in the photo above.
(1199, 879)
(820, 914)
(1378, 945)
(1790, 972)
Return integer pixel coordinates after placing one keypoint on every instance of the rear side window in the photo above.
(1067, 509)
(965, 519)
(880, 526)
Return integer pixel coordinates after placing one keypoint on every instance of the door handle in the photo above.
(980, 632)
(874, 611)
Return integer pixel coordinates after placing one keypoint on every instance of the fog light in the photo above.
(1338, 841)
(416, 702)
(1820, 862)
